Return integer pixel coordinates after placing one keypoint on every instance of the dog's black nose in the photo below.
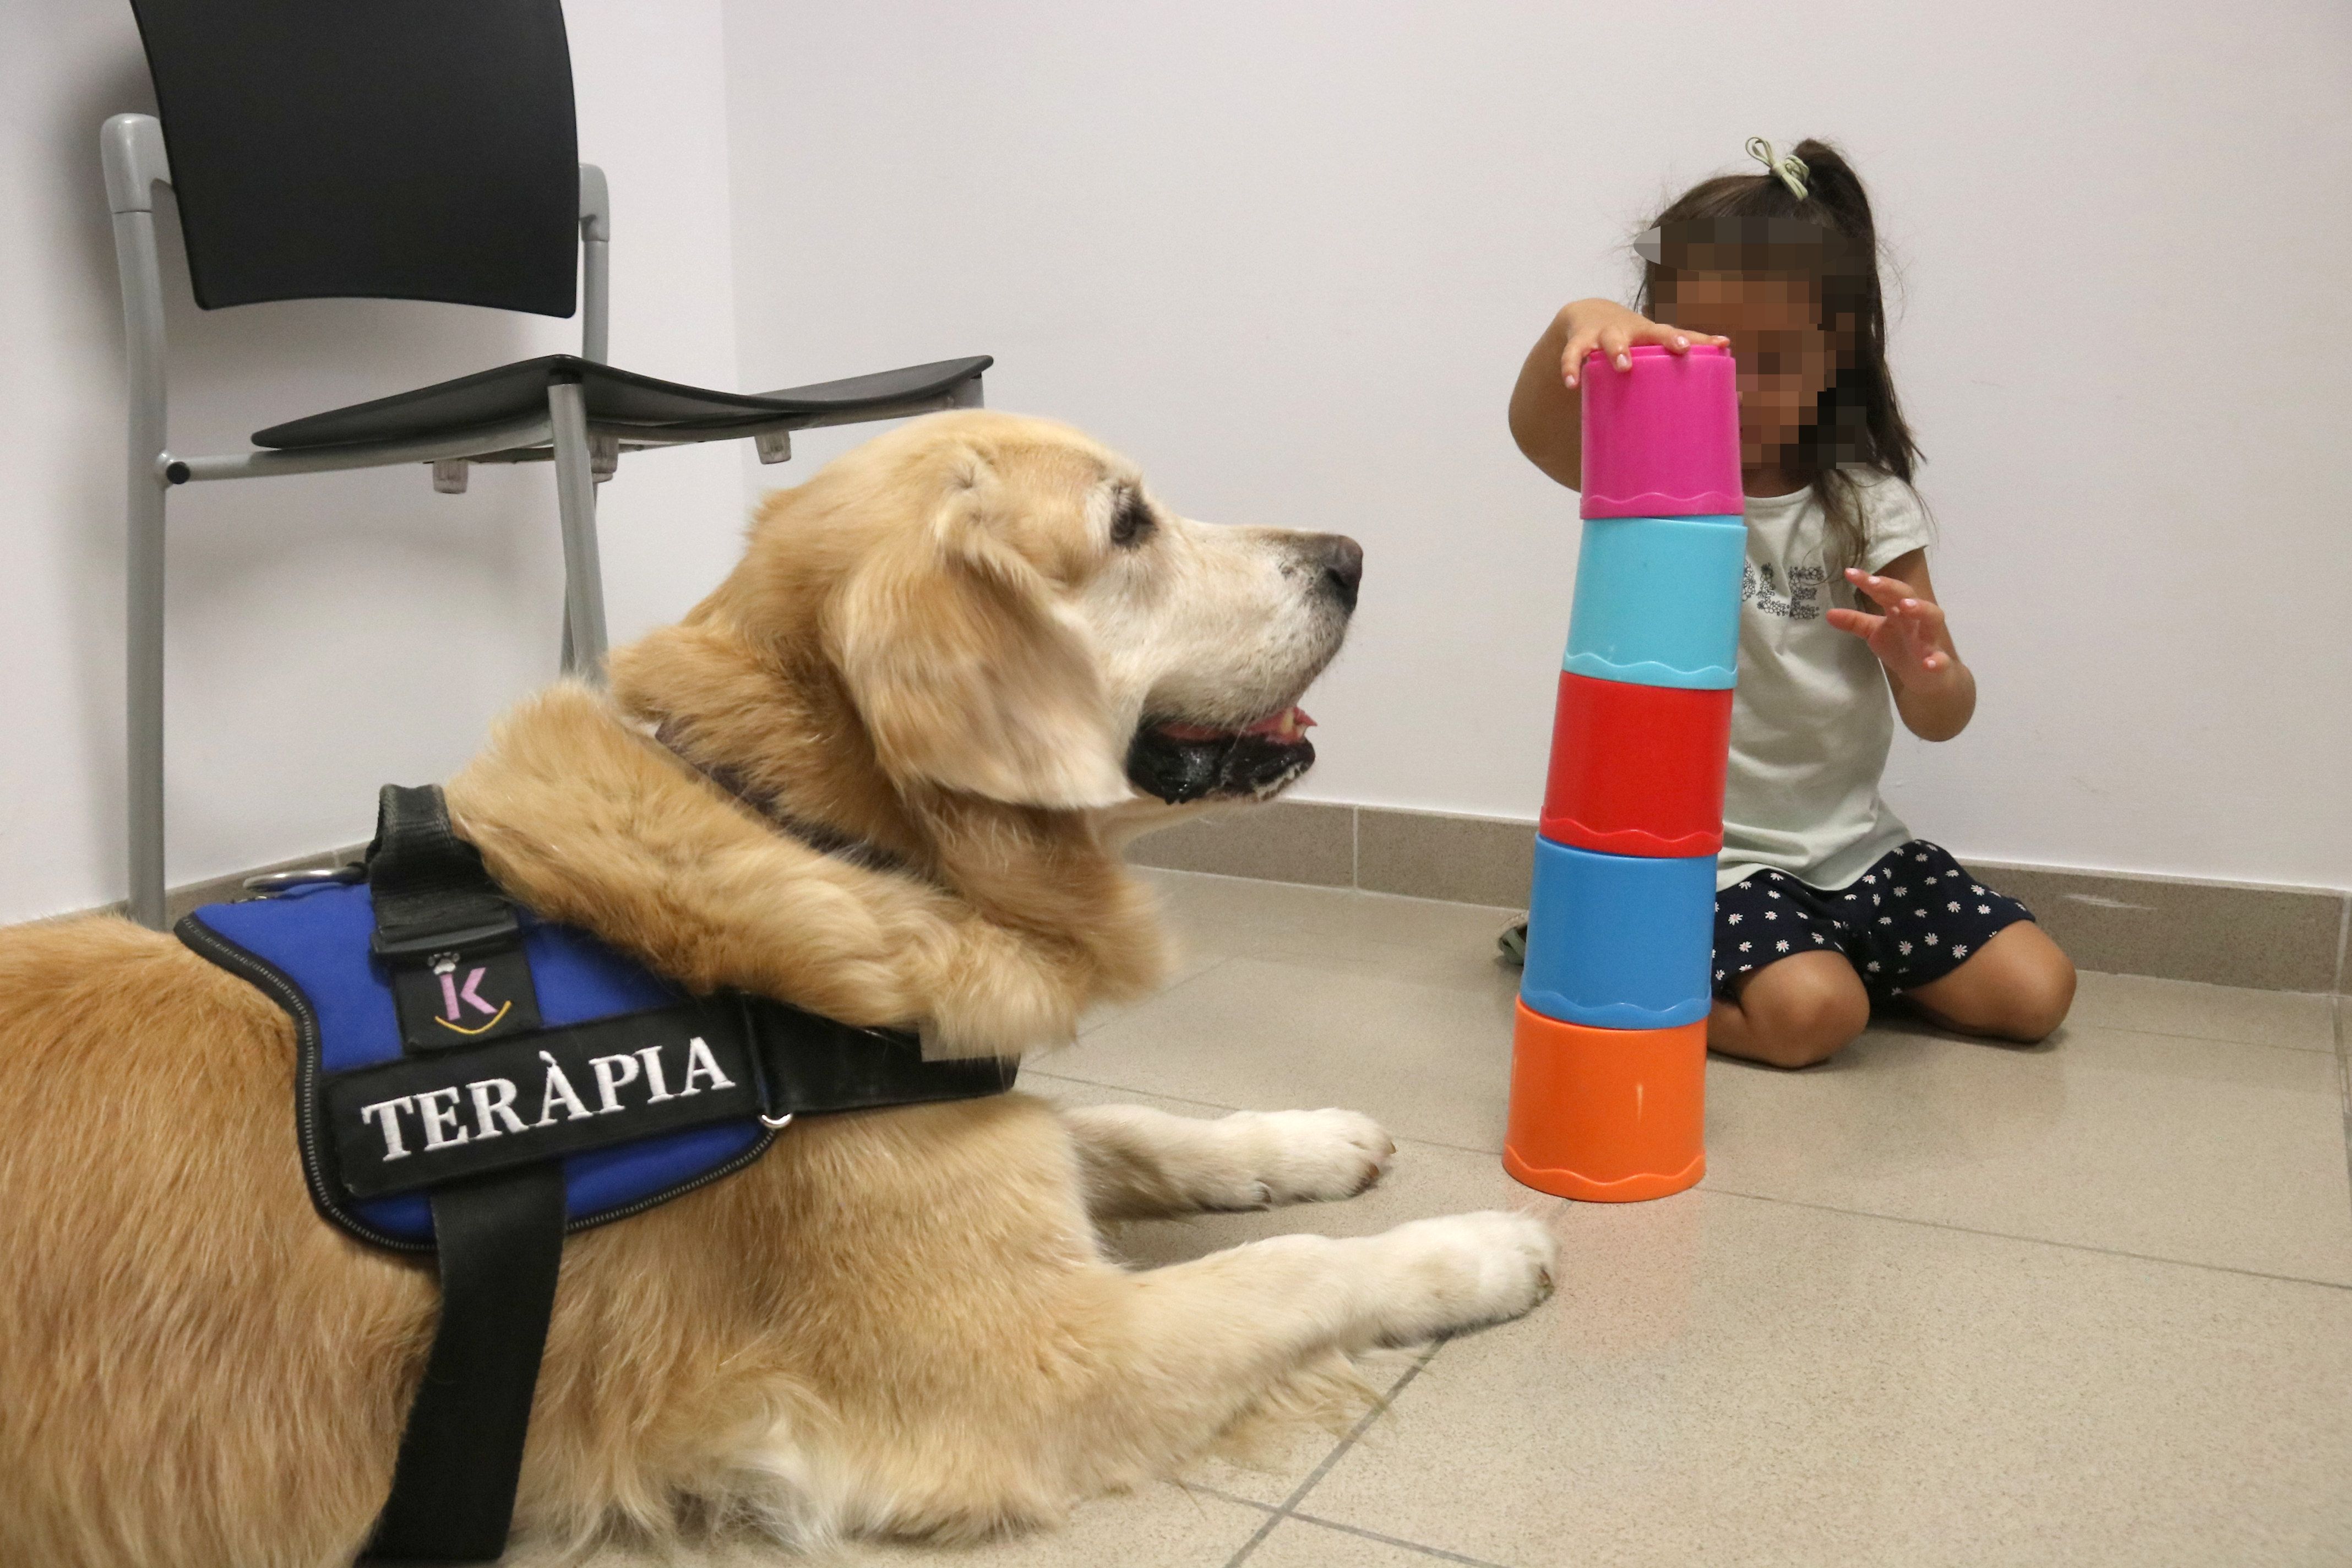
(1343, 567)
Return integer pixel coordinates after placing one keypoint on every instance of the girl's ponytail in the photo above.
(1833, 192)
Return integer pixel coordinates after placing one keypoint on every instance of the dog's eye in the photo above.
(1132, 524)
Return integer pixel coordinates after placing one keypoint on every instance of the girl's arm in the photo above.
(1546, 412)
(1934, 691)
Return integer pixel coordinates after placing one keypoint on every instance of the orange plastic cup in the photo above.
(1608, 1116)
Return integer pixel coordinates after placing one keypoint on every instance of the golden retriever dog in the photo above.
(977, 645)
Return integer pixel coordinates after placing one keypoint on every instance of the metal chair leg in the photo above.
(143, 709)
(575, 495)
(145, 434)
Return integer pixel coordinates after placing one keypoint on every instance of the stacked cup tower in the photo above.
(1609, 1053)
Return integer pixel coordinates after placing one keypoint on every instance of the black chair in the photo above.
(407, 150)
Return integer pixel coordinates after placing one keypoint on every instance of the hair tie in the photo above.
(1790, 169)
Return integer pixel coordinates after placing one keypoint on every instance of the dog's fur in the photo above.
(899, 1322)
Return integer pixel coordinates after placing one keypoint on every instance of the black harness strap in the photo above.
(499, 1236)
(810, 1063)
(453, 1490)
(428, 886)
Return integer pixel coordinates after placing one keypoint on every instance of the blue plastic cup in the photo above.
(1619, 942)
(1657, 601)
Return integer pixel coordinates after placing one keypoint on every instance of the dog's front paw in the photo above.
(1305, 1156)
(1465, 1271)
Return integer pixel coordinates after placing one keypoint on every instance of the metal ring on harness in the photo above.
(776, 1123)
(279, 882)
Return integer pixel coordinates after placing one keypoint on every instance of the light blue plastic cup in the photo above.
(1657, 601)
(1619, 942)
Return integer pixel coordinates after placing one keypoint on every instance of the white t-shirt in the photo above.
(1812, 717)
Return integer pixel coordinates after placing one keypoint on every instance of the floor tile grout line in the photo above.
(1380, 1407)
(1201, 973)
(1401, 1139)
(2343, 962)
(1938, 1037)
(1913, 1028)
(2344, 946)
(2033, 1240)
(1153, 1094)
(1207, 1491)
(1405, 897)
(1440, 1552)
(2166, 1035)
(1257, 1538)
(2344, 1078)
(2344, 1073)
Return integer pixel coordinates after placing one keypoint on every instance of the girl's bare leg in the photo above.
(2017, 987)
(1801, 1010)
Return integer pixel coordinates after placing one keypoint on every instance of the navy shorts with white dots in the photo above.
(1912, 918)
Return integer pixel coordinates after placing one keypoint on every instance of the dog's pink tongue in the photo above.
(1285, 725)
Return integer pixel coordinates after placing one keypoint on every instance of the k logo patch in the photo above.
(458, 999)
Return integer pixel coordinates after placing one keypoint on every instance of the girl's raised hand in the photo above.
(1610, 328)
(1909, 635)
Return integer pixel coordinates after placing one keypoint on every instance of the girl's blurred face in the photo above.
(1786, 359)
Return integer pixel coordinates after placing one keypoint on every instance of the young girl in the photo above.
(1824, 902)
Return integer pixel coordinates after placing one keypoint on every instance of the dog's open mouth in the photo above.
(1180, 762)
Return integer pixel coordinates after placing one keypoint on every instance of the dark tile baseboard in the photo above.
(2225, 933)
(1288, 841)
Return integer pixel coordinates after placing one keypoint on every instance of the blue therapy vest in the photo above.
(476, 1083)
(678, 1122)
(314, 939)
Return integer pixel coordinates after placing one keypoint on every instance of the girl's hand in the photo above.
(1909, 637)
(1610, 328)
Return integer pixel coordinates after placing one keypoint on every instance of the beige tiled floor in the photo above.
(1937, 1302)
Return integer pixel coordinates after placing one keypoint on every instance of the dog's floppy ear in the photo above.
(966, 676)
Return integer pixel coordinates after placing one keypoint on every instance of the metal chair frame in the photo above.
(133, 153)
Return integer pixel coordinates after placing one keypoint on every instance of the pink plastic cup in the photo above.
(1662, 439)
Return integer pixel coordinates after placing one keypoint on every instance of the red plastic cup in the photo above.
(1662, 439)
(1637, 770)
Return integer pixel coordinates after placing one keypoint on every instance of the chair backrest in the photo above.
(386, 148)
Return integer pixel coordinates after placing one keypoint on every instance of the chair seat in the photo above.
(617, 399)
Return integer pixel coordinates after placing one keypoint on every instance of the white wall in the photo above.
(1289, 254)
(330, 633)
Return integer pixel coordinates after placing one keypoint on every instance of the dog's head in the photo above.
(1013, 614)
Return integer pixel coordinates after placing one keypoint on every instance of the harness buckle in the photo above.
(432, 944)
